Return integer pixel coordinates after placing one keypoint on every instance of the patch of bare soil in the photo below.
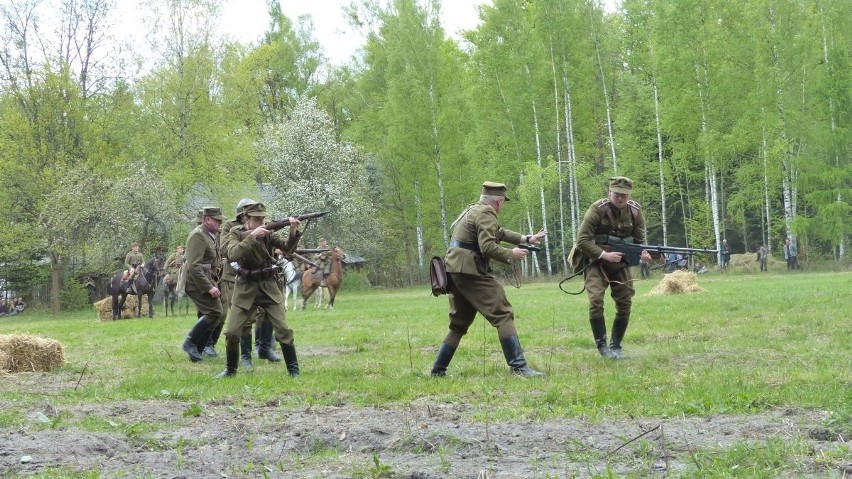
(425, 440)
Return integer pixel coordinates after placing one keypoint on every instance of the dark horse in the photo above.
(145, 283)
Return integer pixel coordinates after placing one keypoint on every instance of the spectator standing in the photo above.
(762, 256)
(791, 254)
(725, 255)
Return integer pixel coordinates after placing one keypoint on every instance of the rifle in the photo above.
(633, 251)
(312, 250)
(279, 224)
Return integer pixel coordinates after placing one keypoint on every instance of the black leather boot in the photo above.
(290, 359)
(210, 350)
(515, 358)
(599, 333)
(445, 355)
(245, 350)
(232, 360)
(197, 334)
(619, 327)
(265, 342)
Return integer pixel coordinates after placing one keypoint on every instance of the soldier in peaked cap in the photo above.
(257, 285)
(226, 285)
(202, 260)
(476, 237)
(616, 215)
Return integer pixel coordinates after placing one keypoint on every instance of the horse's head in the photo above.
(155, 264)
(337, 253)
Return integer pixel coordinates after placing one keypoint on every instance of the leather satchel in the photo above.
(438, 276)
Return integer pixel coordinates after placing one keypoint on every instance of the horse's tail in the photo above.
(114, 285)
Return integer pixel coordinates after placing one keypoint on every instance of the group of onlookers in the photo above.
(13, 307)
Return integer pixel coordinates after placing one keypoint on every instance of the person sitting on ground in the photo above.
(700, 268)
(20, 305)
(4, 308)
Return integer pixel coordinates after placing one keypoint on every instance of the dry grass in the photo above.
(676, 283)
(25, 353)
(104, 308)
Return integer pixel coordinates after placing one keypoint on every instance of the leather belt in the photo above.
(464, 245)
(258, 274)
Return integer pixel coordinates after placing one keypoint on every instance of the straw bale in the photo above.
(30, 353)
(4, 360)
(104, 308)
(676, 283)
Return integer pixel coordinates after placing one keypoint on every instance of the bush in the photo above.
(356, 281)
(74, 296)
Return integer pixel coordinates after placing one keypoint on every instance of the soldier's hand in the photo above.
(214, 292)
(612, 256)
(259, 232)
(294, 223)
(519, 253)
(645, 255)
(536, 238)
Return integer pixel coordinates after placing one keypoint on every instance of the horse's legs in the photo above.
(306, 293)
(150, 304)
(320, 291)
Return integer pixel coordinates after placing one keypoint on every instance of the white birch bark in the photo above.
(709, 166)
(605, 92)
(559, 162)
(573, 193)
(540, 178)
(661, 163)
(421, 245)
(439, 172)
(766, 204)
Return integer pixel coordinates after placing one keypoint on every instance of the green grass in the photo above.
(748, 343)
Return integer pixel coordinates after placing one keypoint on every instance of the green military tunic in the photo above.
(133, 260)
(229, 277)
(476, 236)
(604, 218)
(172, 266)
(252, 292)
(202, 256)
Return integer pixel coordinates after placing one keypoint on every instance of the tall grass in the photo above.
(749, 343)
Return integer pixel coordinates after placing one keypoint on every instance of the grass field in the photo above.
(750, 346)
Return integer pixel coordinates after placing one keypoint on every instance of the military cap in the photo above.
(213, 212)
(621, 184)
(242, 204)
(255, 209)
(490, 188)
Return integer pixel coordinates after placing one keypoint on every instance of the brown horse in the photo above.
(332, 282)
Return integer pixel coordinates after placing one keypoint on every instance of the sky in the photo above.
(246, 20)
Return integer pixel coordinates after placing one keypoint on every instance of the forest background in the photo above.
(732, 118)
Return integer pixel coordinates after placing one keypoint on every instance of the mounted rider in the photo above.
(131, 263)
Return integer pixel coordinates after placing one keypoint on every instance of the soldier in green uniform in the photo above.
(173, 265)
(257, 285)
(617, 215)
(229, 278)
(132, 261)
(202, 259)
(476, 237)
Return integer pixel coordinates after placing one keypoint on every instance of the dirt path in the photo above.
(425, 440)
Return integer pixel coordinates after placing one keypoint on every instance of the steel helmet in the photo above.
(243, 203)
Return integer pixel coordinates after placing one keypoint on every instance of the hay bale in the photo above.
(29, 353)
(677, 282)
(4, 360)
(104, 308)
